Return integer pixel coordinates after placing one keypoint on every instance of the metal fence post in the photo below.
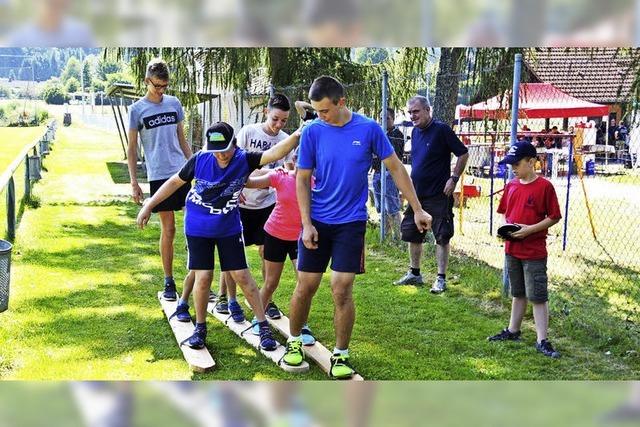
(11, 210)
(27, 178)
(515, 100)
(383, 170)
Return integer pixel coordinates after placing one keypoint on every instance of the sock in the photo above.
(168, 279)
(231, 300)
(344, 352)
(201, 326)
(296, 338)
(263, 324)
(415, 271)
(181, 301)
(444, 276)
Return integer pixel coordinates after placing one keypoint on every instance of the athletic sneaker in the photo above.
(266, 338)
(505, 335)
(169, 293)
(272, 311)
(340, 367)
(255, 328)
(222, 306)
(197, 340)
(307, 336)
(410, 279)
(546, 348)
(182, 312)
(439, 285)
(236, 312)
(293, 356)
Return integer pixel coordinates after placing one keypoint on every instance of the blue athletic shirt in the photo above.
(431, 150)
(341, 157)
(212, 202)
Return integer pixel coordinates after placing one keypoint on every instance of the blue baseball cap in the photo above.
(519, 151)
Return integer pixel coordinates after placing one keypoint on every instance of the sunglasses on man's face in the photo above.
(159, 86)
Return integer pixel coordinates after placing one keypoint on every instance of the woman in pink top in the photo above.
(282, 231)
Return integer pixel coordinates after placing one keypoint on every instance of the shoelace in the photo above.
(291, 347)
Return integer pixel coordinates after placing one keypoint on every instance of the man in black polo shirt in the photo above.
(432, 143)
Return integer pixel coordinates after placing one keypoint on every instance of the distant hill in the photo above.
(17, 63)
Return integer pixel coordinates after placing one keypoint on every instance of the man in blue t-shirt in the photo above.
(432, 143)
(212, 220)
(337, 149)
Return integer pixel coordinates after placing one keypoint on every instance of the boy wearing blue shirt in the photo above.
(212, 218)
(337, 149)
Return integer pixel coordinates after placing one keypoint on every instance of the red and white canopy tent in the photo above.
(537, 101)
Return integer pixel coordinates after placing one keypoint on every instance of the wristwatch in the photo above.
(455, 178)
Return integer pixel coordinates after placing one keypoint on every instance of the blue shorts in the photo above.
(343, 244)
(202, 251)
(392, 200)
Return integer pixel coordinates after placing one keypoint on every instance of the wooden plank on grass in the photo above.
(198, 360)
(316, 352)
(240, 329)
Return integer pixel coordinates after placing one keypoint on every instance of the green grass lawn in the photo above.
(83, 303)
(14, 140)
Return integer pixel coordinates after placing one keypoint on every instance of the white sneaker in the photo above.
(410, 279)
(439, 286)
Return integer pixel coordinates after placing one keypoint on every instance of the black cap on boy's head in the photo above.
(220, 137)
(519, 151)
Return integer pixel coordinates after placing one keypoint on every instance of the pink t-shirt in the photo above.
(284, 222)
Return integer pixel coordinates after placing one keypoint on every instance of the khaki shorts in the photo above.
(528, 278)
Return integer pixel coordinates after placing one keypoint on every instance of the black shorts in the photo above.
(202, 251)
(343, 244)
(253, 221)
(276, 250)
(174, 202)
(440, 207)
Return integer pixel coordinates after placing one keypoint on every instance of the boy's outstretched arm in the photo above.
(281, 149)
(167, 189)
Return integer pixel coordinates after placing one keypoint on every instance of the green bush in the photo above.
(6, 91)
(54, 93)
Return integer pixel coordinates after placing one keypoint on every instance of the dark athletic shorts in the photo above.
(440, 207)
(202, 251)
(174, 202)
(276, 250)
(343, 244)
(528, 278)
(253, 221)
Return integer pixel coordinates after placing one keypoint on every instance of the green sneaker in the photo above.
(293, 356)
(340, 367)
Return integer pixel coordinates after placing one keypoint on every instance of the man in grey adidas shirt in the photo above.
(157, 119)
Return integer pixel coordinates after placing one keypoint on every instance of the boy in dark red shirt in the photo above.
(529, 201)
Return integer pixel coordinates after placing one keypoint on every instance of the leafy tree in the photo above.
(371, 55)
(72, 69)
(86, 74)
(72, 85)
(107, 66)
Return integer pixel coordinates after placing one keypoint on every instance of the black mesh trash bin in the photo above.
(5, 274)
